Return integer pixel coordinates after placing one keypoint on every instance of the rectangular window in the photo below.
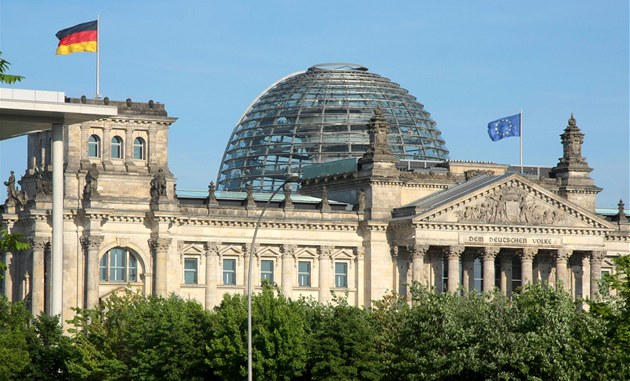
(117, 265)
(229, 271)
(103, 268)
(266, 271)
(304, 274)
(341, 274)
(190, 270)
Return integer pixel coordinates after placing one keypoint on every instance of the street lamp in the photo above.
(291, 178)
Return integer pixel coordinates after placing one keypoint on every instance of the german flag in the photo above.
(79, 38)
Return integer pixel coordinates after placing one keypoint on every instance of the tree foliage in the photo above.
(7, 78)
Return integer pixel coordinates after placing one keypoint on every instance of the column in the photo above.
(596, 270)
(586, 275)
(8, 276)
(561, 257)
(453, 253)
(56, 303)
(359, 256)
(160, 248)
(38, 248)
(527, 259)
(92, 244)
(488, 254)
(107, 145)
(506, 273)
(468, 271)
(128, 148)
(212, 261)
(246, 262)
(288, 264)
(324, 273)
(418, 253)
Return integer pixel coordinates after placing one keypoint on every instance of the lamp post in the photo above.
(291, 178)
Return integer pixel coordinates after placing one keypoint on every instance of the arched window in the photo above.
(119, 265)
(117, 147)
(139, 149)
(94, 146)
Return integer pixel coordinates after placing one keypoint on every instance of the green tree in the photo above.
(130, 336)
(14, 354)
(278, 346)
(10, 243)
(7, 78)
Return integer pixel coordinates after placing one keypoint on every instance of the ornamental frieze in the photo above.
(509, 206)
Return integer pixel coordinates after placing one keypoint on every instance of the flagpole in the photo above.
(521, 122)
(98, 58)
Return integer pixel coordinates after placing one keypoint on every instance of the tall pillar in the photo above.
(597, 258)
(418, 253)
(468, 271)
(324, 273)
(359, 256)
(246, 260)
(128, 148)
(56, 303)
(488, 254)
(92, 244)
(8, 275)
(586, 276)
(160, 248)
(288, 264)
(212, 264)
(506, 273)
(38, 249)
(453, 253)
(527, 259)
(561, 257)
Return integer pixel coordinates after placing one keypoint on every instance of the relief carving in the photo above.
(509, 206)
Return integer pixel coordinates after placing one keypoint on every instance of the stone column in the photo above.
(160, 248)
(586, 276)
(38, 252)
(106, 149)
(360, 281)
(488, 254)
(453, 253)
(506, 273)
(468, 271)
(8, 276)
(246, 250)
(561, 257)
(418, 253)
(324, 273)
(288, 264)
(212, 264)
(128, 147)
(57, 254)
(527, 259)
(597, 257)
(92, 244)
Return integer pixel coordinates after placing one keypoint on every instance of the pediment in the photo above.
(511, 200)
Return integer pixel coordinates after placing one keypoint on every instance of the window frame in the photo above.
(111, 269)
(305, 275)
(194, 271)
(119, 142)
(341, 275)
(96, 143)
(269, 274)
(232, 272)
(141, 145)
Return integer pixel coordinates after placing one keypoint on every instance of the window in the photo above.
(119, 265)
(341, 274)
(139, 151)
(229, 271)
(190, 270)
(117, 147)
(266, 271)
(94, 146)
(304, 274)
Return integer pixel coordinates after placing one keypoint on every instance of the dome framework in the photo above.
(321, 115)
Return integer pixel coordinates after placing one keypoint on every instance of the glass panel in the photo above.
(117, 265)
(190, 271)
(266, 271)
(229, 271)
(133, 268)
(103, 268)
(116, 147)
(341, 274)
(138, 149)
(93, 146)
(304, 274)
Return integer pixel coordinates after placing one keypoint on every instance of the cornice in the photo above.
(509, 229)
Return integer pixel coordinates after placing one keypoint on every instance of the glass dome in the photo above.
(321, 115)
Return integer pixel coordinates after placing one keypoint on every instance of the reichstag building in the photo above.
(379, 205)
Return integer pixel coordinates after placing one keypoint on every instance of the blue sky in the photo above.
(468, 62)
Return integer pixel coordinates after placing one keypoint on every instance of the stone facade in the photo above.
(362, 234)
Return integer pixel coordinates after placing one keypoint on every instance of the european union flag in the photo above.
(505, 127)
